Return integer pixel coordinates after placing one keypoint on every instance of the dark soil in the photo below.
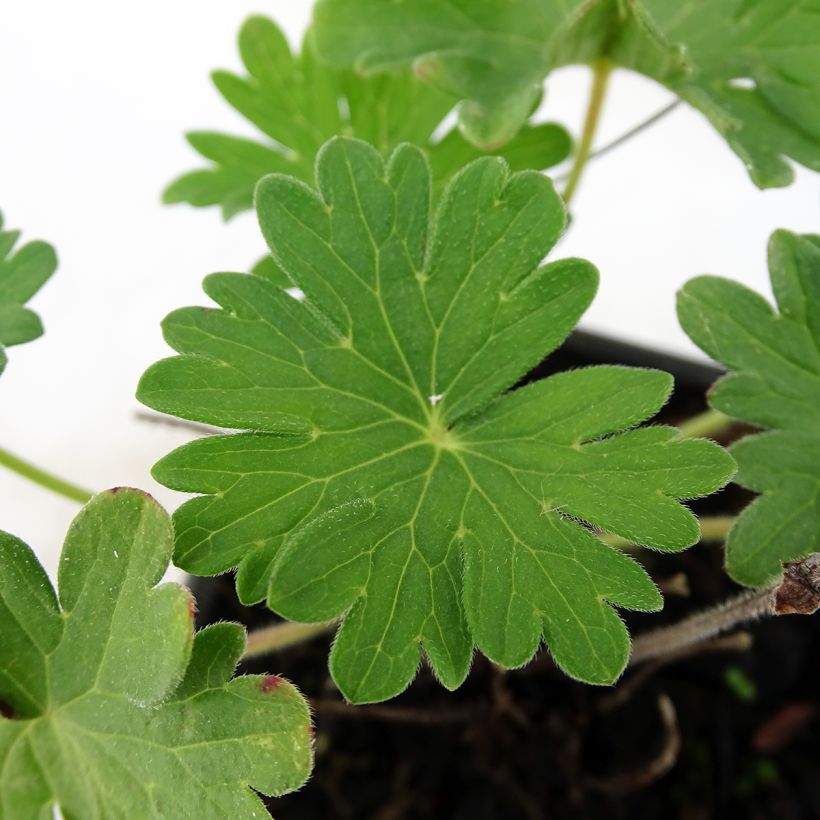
(720, 734)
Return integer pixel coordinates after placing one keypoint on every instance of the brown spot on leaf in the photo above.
(6, 711)
(270, 682)
(426, 68)
(799, 591)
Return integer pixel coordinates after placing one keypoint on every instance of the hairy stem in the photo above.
(669, 640)
(601, 70)
(709, 423)
(281, 635)
(44, 479)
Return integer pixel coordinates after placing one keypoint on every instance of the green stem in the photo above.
(713, 529)
(601, 70)
(709, 423)
(626, 136)
(44, 479)
(282, 635)
(716, 528)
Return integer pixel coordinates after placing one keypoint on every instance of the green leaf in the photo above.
(752, 67)
(774, 382)
(298, 104)
(22, 273)
(389, 479)
(112, 707)
(267, 268)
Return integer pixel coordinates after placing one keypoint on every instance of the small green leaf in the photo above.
(112, 707)
(752, 67)
(22, 273)
(774, 382)
(389, 479)
(298, 103)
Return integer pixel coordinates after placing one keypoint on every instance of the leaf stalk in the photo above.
(282, 635)
(670, 640)
(601, 71)
(796, 593)
(710, 423)
(712, 529)
(627, 135)
(43, 478)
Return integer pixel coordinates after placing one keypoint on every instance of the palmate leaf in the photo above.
(112, 707)
(22, 273)
(752, 67)
(387, 480)
(774, 382)
(298, 103)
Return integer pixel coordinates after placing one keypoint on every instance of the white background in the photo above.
(94, 97)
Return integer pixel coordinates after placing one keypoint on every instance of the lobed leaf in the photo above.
(22, 273)
(389, 479)
(774, 382)
(298, 103)
(752, 67)
(111, 706)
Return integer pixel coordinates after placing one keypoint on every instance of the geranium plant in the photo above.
(383, 466)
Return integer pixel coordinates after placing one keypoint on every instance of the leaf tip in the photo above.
(192, 607)
(270, 682)
(130, 491)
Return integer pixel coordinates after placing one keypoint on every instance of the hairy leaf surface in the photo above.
(22, 273)
(774, 382)
(298, 103)
(112, 707)
(752, 67)
(389, 479)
